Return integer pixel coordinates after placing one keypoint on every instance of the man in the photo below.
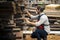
(42, 24)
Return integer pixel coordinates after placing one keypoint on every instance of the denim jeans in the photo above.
(39, 34)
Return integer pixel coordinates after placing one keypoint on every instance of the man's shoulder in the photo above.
(44, 16)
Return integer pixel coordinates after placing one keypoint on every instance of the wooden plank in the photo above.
(53, 15)
(55, 28)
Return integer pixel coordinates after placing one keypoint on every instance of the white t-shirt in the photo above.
(43, 20)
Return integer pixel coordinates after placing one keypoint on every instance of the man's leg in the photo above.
(44, 35)
(38, 35)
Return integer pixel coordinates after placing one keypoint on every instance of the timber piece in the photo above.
(16, 29)
(55, 29)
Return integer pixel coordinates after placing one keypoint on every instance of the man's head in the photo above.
(39, 9)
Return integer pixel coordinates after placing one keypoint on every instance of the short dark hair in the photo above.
(42, 9)
(39, 8)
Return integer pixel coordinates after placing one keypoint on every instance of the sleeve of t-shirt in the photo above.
(41, 21)
(34, 17)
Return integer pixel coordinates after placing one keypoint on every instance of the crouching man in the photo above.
(42, 24)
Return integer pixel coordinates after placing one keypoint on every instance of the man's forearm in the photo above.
(28, 22)
(29, 14)
(32, 23)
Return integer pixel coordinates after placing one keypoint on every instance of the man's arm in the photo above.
(28, 22)
(41, 21)
(29, 14)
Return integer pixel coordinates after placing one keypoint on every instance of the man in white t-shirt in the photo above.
(42, 24)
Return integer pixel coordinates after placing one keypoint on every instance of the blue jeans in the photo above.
(39, 34)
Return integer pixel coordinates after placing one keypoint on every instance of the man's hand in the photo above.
(27, 21)
(27, 11)
(29, 14)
